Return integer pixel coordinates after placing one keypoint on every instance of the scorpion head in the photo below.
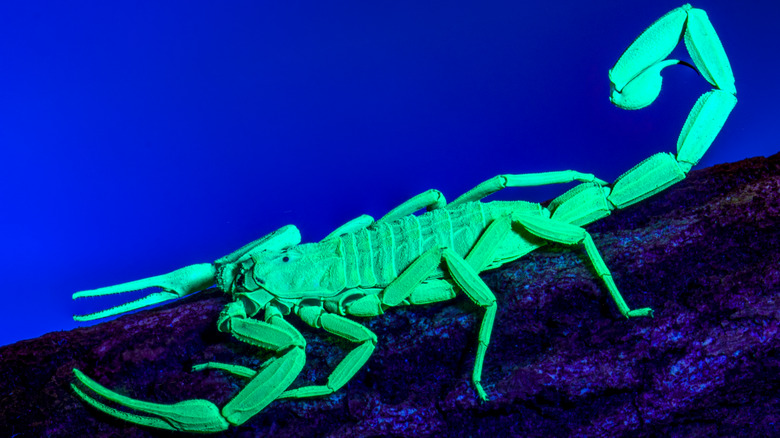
(234, 271)
(295, 271)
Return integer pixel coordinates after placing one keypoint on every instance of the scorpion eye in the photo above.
(289, 256)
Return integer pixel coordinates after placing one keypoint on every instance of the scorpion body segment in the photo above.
(375, 256)
(366, 267)
(342, 269)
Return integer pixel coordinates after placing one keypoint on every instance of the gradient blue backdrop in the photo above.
(139, 137)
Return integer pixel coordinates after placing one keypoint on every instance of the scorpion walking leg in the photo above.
(468, 280)
(568, 234)
(352, 362)
(465, 275)
(500, 182)
(429, 199)
(351, 226)
(274, 334)
(411, 285)
(482, 252)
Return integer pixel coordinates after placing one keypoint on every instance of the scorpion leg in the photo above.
(500, 182)
(399, 289)
(430, 199)
(411, 285)
(236, 370)
(468, 280)
(202, 415)
(568, 234)
(353, 225)
(352, 362)
(482, 252)
(465, 276)
(432, 291)
(274, 334)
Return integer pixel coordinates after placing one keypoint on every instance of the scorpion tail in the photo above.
(636, 81)
(176, 284)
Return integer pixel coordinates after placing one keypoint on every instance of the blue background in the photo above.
(139, 137)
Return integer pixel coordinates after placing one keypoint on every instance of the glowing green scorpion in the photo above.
(365, 267)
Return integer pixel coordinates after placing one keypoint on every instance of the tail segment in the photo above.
(636, 82)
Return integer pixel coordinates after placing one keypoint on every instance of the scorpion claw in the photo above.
(176, 284)
(189, 416)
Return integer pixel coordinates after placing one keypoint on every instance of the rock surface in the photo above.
(703, 254)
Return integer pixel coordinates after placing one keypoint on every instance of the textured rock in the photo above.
(704, 254)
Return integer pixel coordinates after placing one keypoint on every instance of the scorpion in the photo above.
(365, 267)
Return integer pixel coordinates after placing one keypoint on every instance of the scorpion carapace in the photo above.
(366, 267)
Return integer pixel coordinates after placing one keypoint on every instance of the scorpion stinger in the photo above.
(365, 267)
